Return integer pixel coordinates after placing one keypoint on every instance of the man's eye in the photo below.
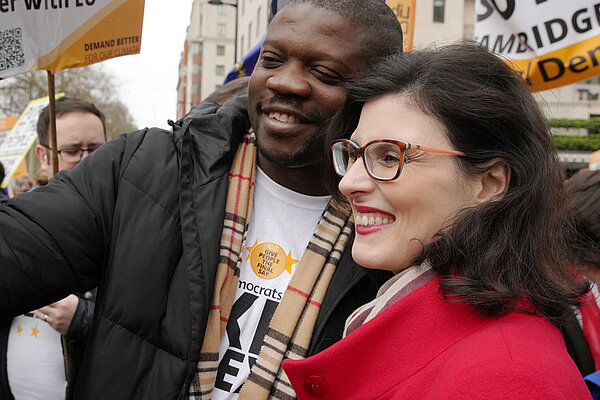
(328, 77)
(70, 152)
(269, 61)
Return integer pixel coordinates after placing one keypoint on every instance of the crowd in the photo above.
(363, 224)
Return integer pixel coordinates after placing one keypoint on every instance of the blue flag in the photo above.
(246, 65)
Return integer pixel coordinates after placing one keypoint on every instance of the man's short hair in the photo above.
(66, 105)
(383, 33)
(2, 173)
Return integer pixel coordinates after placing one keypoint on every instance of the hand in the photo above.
(60, 314)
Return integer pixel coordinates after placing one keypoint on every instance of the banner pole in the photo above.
(52, 121)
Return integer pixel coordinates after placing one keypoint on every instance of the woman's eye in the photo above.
(390, 159)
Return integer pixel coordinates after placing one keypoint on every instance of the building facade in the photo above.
(208, 52)
(252, 24)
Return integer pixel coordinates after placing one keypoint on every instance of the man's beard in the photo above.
(312, 153)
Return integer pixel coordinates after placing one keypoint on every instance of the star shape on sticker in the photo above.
(289, 261)
(251, 248)
(19, 329)
(34, 331)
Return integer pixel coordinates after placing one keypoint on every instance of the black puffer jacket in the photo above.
(141, 219)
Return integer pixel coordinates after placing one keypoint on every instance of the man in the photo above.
(186, 287)
(80, 129)
(36, 362)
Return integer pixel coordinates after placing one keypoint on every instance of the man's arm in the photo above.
(53, 240)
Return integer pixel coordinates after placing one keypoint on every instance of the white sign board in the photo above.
(21, 137)
(551, 42)
(58, 34)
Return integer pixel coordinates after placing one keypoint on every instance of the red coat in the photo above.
(425, 348)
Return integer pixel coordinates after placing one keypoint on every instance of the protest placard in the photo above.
(551, 42)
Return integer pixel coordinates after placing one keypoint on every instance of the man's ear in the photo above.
(494, 182)
(42, 155)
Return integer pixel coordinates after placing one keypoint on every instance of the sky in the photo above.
(148, 81)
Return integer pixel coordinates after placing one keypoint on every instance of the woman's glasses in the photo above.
(383, 158)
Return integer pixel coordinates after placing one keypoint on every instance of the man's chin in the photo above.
(285, 160)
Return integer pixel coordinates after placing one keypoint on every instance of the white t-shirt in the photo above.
(35, 363)
(281, 226)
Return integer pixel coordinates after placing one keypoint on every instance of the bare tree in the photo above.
(92, 83)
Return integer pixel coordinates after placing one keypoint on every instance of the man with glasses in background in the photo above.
(41, 350)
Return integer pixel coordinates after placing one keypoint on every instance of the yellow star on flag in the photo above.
(34, 331)
(251, 248)
(289, 261)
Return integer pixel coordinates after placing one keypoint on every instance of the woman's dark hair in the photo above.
(583, 194)
(498, 253)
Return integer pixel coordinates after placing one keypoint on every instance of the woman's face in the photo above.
(394, 217)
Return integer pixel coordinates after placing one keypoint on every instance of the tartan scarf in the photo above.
(291, 327)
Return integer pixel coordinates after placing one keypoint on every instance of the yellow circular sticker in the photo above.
(268, 260)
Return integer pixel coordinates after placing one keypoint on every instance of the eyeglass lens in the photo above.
(75, 154)
(382, 159)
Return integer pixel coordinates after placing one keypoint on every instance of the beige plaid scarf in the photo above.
(292, 325)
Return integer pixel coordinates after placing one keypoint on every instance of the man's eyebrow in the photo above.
(318, 54)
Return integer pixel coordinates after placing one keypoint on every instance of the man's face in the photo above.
(300, 81)
(75, 130)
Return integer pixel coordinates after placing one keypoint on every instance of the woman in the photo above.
(455, 187)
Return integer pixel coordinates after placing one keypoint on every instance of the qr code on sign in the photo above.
(11, 49)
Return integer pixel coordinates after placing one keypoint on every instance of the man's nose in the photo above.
(290, 79)
(85, 153)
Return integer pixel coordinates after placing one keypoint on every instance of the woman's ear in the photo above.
(494, 182)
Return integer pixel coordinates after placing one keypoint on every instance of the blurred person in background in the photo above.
(583, 338)
(19, 185)
(40, 351)
(40, 179)
(230, 90)
(3, 194)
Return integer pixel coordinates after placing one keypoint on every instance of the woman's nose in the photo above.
(356, 181)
